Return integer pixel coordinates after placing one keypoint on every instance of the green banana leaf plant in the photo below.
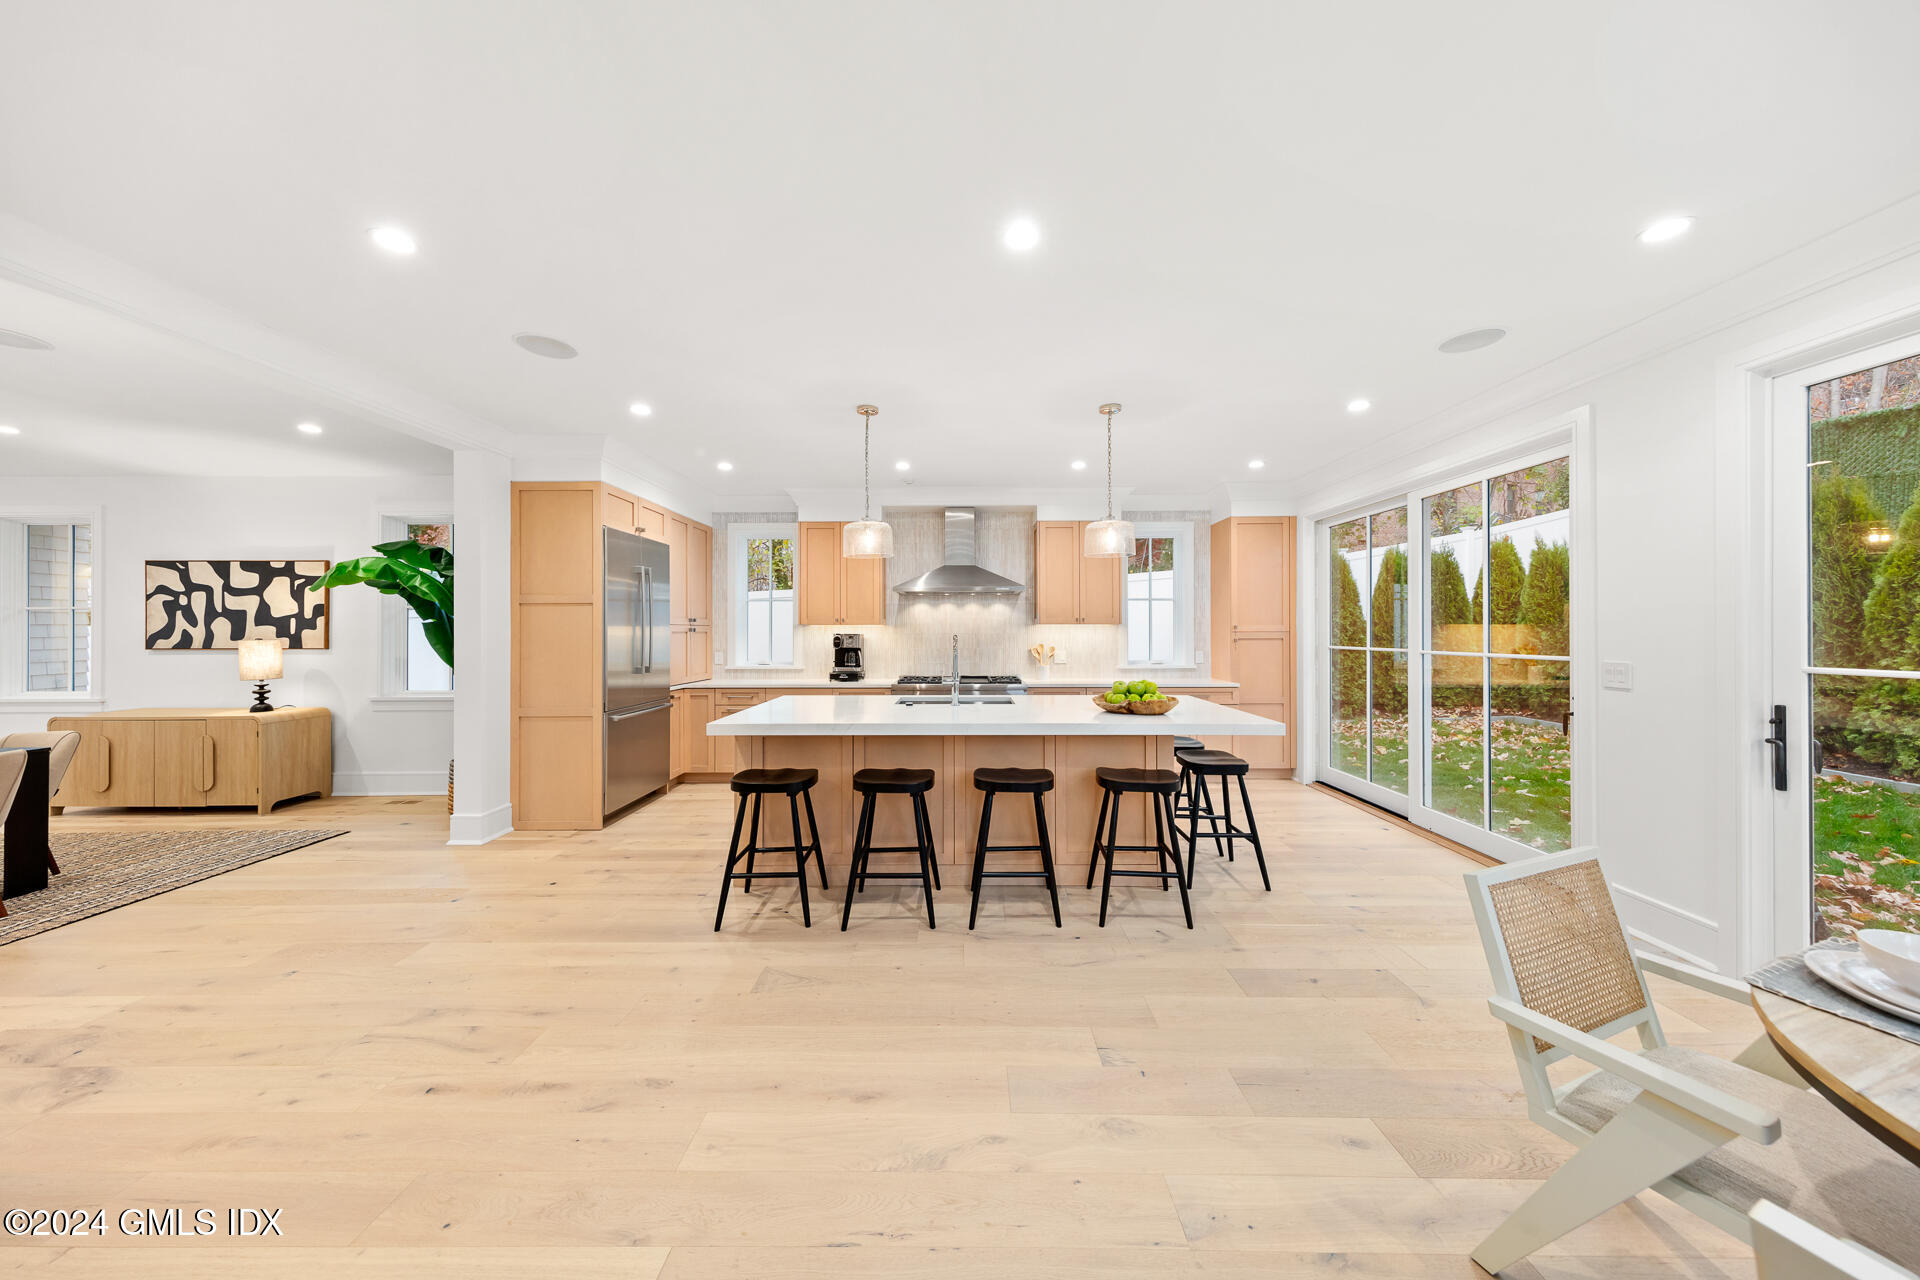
(421, 576)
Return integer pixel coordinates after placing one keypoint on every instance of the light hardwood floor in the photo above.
(537, 1059)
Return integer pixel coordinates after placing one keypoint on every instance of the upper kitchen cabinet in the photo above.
(690, 570)
(836, 591)
(1069, 586)
(1253, 572)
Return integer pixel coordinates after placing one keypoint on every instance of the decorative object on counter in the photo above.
(866, 538)
(260, 662)
(215, 604)
(1138, 697)
(420, 574)
(1109, 538)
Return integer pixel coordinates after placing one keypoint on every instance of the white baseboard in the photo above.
(397, 782)
(480, 828)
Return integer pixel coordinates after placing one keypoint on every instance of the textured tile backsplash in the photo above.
(995, 631)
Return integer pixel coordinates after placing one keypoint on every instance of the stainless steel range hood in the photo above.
(959, 573)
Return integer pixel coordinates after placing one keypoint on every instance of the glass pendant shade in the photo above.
(869, 540)
(1108, 538)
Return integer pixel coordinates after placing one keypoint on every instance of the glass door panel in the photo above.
(1367, 606)
(1457, 741)
(1530, 760)
(1861, 602)
(1387, 763)
(1347, 698)
(1529, 571)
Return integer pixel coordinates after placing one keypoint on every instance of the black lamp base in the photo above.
(260, 702)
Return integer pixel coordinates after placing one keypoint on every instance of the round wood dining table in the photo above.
(1872, 1076)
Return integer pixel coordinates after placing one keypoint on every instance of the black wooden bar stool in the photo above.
(796, 785)
(1184, 797)
(1034, 782)
(871, 784)
(1199, 766)
(1160, 786)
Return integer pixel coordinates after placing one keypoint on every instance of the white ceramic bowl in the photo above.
(1895, 954)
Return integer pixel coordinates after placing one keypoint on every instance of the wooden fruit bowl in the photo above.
(1152, 707)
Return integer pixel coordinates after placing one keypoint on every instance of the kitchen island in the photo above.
(1067, 734)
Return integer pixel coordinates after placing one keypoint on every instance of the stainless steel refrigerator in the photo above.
(638, 726)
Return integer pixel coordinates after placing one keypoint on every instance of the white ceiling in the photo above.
(754, 216)
(116, 397)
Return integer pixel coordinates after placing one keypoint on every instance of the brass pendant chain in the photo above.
(866, 469)
(1109, 466)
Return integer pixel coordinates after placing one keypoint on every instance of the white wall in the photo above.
(375, 752)
(1676, 760)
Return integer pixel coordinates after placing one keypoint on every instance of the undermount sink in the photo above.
(971, 700)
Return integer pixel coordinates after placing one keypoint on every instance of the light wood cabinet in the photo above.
(651, 523)
(1069, 587)
(835, 591)
(692, 751)
(678, 539)
(1253, 582)
(699, 574)
(196, 759)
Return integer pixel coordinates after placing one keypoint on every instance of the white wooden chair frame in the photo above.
(1672, 1122)
(1788, 1248)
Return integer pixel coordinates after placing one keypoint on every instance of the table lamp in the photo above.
(260, 662)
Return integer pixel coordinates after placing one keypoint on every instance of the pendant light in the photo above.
(867, 538)
(1109, 538)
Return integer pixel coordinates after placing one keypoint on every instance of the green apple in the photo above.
(1117, 698)
(1119, 686)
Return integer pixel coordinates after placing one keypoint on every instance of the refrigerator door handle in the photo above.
(640, 711)
(646, 604)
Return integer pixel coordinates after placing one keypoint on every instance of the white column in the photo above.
(482, 647)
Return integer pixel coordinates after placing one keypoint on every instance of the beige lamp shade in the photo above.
(260, 659)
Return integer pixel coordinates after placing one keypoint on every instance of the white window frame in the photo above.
(1181, 532)
(1568, 435)
(738, 536)
(27, 701)
(394, 694)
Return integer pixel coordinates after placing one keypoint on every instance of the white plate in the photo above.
(1850, 972)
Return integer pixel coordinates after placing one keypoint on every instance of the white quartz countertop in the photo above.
(747, 680)
(824, 715)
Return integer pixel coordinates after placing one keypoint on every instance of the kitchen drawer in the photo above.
(734, 699)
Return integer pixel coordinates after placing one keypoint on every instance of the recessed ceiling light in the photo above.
(9, 431)
(309, 428)
(1021, 234)
(640, 409)
(1359, 406)
(724, 466)
(1472, 340)
(394, 240)
(903, 465)
(1079, 464)
(1256, 463)
(24, 341)
(541, 345)
(1671, 227)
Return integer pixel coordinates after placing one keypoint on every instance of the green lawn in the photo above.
(1866, 860)
(1532, 785)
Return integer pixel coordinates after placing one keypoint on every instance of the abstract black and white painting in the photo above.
(215, 604)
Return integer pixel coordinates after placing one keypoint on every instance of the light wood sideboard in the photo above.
(197, 758)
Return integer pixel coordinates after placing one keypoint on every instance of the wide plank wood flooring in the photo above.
(537, 1059)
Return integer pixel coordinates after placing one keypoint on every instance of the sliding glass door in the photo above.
(1449, 658)
(1367, 609)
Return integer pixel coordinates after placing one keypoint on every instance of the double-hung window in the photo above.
(1159, 596)
(761, 602)
(412, 667)
(46, 606)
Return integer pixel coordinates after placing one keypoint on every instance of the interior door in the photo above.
(1838, 741)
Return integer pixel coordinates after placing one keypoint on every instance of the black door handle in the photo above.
(1779, 743)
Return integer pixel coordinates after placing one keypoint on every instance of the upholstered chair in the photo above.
(64, 747)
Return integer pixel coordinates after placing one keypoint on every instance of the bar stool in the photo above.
(795, 785)
(1161, 785)
(1199, 766)
(993, 782)
(1184, 797)
(871, 784)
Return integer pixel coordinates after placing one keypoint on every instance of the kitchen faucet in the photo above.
(956, 668)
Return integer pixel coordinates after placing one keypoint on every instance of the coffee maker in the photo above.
(849, 657)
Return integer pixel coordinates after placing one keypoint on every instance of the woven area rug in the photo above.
(101, 870)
